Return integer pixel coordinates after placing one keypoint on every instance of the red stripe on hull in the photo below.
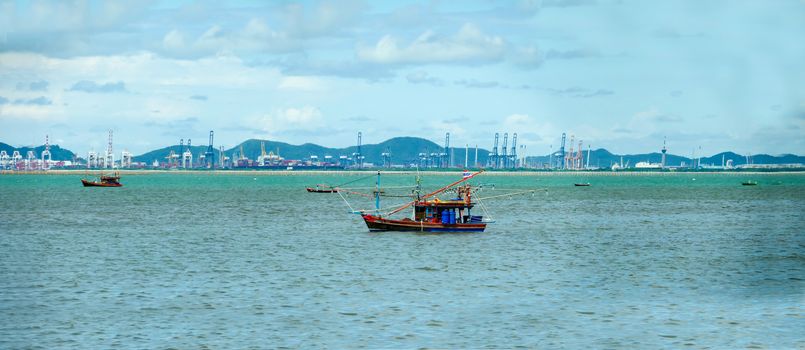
(375, 223)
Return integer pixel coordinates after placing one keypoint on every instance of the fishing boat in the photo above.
(749, 183)
(322, 189)
(430, 214)
(104, 181)
(582, 184)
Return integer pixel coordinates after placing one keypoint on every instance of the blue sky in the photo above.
(707, 75)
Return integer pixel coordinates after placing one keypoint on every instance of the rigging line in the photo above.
(345, 201)
(373, 187)
(395, 206)
(483, 207)
(356, 193)
(356, 180)
(507, 194)
(382, 209)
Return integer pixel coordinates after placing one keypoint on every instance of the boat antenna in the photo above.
(418, 183)
(377, 194)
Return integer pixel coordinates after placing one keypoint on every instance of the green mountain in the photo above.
(738, 159)
(162, 153)
(602, 158)
(56, 152)
(404, 150)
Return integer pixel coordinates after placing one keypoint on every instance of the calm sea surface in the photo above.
(240, 261)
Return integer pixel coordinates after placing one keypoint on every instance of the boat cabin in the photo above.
(111, 180)
(453, 211)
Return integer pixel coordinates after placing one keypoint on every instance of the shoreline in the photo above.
(535, 173)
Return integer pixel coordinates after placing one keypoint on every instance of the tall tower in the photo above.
(125, 159)
(4, 160)
(569, 155)
(446, 154)
(46, 154)
(513, 154)
(503, 156)
(494, 161)
(187, 156)
(30, 160)
(466, 155)
(110, 156)
(386, 158)
(209, 156)
(663, 153)
(476, 156)
(358, 155)
(221, 158)
(561, 155)
(589, 148)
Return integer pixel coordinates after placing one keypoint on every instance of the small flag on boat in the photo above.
(466, 174)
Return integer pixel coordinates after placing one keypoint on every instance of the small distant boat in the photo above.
(749, 183)
(582, 184)
(322, 189)
(104, 181)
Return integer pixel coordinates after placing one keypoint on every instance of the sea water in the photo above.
(254, 261)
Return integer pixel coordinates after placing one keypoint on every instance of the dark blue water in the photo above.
(233, 261)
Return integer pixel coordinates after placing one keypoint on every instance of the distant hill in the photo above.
(602, 158)
(738, 159)
(56, 152)
(404, 150)
(162, 153)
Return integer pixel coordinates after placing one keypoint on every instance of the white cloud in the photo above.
(422, 77)
(292, 118)
(652, 115)
(527, 57)
(324, 18)
(301, 83)
(173, 41)
(31, 112)
(643, 123)
(518, 120)
(439, 127)
(255, 37)
(530, 131)
(469, 45)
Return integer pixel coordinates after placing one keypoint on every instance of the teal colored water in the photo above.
(241, 261)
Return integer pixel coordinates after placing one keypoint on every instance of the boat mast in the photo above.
(430, 194)
(377, 195)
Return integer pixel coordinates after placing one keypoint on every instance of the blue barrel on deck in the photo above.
(452, 216)
(445, 217)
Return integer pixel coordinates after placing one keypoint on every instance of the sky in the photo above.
(706, 76)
